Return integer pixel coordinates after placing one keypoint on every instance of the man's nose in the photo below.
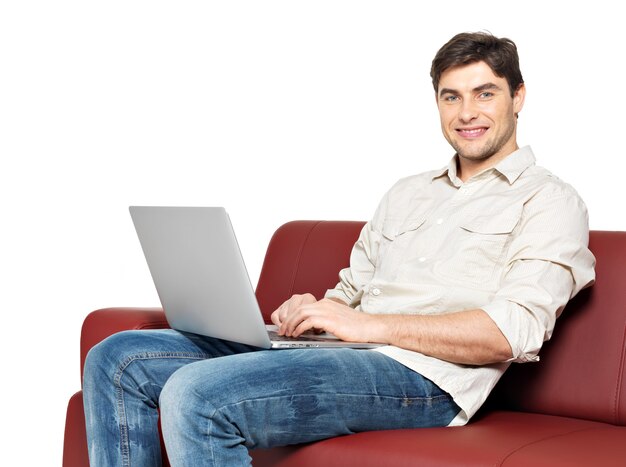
(468, 111)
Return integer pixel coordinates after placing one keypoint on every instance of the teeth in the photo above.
(471, 132)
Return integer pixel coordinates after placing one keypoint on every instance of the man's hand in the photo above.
(303, 313)
(280, 314)
(468, 337)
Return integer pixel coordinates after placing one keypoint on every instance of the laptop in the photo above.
(202, 281)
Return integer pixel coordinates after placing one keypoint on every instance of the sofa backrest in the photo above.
(581, 372)
(304, 256)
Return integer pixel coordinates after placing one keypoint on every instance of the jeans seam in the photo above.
(209, 431)
(117, 380)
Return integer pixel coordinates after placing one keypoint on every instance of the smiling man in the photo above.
(460, 272)
(478, 110)
(478, 115)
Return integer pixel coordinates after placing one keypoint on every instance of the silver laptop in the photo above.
(202, 281)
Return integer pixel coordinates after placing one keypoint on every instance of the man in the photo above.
(461, 271)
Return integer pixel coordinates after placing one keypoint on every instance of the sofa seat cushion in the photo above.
(509, 439)
(604, 445)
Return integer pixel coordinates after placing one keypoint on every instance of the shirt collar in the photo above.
(450, 170)
(511, 167)
(514, 164)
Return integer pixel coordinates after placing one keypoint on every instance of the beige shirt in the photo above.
(512, 241)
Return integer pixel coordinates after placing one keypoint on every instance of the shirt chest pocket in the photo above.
(477, 248)
(396, 238)
(394, 228)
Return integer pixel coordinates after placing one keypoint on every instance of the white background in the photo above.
(278, 110)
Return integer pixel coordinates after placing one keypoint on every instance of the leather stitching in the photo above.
(299, 256)
(504, 459)
(618, 385)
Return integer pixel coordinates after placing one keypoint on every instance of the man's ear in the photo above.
(518, 98)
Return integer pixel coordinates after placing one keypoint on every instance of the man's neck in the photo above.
(467, 168)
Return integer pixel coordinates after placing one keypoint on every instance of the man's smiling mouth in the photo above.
(472, 132)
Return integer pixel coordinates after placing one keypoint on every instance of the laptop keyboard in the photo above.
(274, 336)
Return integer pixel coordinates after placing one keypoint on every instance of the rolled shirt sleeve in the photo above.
(546, 265)
(362, 268)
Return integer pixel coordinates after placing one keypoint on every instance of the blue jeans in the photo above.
(219, 399)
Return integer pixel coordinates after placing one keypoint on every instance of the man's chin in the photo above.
(474, 154)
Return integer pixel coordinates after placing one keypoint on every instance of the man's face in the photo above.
(478, 113)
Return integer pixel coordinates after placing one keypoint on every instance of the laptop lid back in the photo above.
(199, 273)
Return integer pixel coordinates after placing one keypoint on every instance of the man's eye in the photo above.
(485, 95)
(451, 98)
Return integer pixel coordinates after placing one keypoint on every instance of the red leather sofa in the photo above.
(567, 410)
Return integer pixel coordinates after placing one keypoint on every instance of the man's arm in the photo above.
(546, 264)
(467, 337)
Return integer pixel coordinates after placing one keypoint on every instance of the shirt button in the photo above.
(439, 221)
(376, 292)
(422, 259)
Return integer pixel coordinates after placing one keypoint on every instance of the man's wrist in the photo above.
(338, 300)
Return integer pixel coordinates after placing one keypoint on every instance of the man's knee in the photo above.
(105, 352)
(180, 391)
(109, 355)
(178, 402)
(194, 390)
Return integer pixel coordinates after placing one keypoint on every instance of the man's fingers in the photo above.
(279, 315)
(290, 313)
(300, 320)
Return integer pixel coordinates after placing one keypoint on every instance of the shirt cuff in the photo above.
(335, 293)
(518, 327)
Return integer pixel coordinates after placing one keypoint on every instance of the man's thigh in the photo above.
(153, 355)
(292, 396)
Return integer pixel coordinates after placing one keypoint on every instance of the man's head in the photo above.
(479, 90)
(471, 47)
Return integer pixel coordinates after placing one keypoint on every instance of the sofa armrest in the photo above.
(102, 323)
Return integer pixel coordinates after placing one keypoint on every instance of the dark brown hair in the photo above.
(470, 47)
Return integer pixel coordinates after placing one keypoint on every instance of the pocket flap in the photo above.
(495, 223)
(395, 227)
